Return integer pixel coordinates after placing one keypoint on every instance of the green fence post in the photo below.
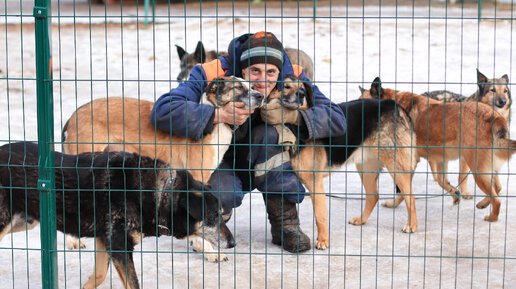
(45, 114)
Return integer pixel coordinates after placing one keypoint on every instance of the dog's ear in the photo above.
(362, 90)
(180, 52)
(200, 53)
(376, 90)
(195, 196)
(481, 78)
(482, 83)
(505, 77)
(215, 87)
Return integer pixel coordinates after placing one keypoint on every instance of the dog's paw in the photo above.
(490, 218)
(322, 244)
(73, 243)
(391, 203)
(216, 257)
(467, 195)
(409, 229)
(357, 221)
(482, 204)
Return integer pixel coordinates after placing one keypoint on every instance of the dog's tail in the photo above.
(505, 144)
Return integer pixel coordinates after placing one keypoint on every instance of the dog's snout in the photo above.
(231, 242)
(501, 102)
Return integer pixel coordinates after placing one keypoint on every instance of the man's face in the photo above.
(262, 76)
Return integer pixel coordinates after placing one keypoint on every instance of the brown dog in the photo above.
(473, 132)
(123, 124)
(491, 91)
(378, 135)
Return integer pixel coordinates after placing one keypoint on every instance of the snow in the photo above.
(453, 246)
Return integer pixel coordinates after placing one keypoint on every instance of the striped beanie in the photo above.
(262, 47)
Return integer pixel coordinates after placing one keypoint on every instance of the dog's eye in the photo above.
(505, 91)
(493, 90)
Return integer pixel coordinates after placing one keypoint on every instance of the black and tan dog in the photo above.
(117, 198)
(378, 135)
(470, 131)
(200, 55)
(491, 91)
(189, 60)
(123, 124)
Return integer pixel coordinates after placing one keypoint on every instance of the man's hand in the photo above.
(273, 113)
(233, 113)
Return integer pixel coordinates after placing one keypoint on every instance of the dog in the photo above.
(189, 60)
(378, 135)
(491, 91)
(478, 136)
(123, 124)
(200, 55)
(118, 198)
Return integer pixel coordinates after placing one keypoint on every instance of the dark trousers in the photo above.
(261, 165)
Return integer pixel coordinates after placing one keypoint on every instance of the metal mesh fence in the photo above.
(82, 76)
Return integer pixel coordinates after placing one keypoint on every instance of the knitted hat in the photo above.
(262, 47)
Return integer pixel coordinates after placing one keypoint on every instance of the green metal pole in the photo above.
(45, 114)
(480, 2)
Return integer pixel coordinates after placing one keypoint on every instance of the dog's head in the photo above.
(376, 91)
(222, 90)
(189, 60)
(494, 91)
(195, 211)
(296, 94)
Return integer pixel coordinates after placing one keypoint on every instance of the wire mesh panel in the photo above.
(112, 63)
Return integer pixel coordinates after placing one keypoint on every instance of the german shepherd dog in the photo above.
(478, 137)
(200, 55)
(117, 198)
(491, 91)
(378, 135)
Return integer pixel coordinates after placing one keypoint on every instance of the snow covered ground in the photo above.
(453, 247)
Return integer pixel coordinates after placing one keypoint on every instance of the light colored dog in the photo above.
(473, 132)
(491, 91)
(123, 124)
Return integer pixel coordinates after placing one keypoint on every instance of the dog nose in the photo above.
(501, 102)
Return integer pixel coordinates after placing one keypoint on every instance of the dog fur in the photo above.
(491, 91)
(478, 137)
(200, 55)
(117, 198)
(378, 135)
(189, 60)
(123, 124)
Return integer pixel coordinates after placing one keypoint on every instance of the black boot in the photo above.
(285, 228)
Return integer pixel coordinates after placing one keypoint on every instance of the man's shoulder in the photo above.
(213, 69)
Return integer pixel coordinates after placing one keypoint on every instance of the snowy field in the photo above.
(453, 247)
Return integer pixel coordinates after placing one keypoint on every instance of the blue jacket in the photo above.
(180, 112)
